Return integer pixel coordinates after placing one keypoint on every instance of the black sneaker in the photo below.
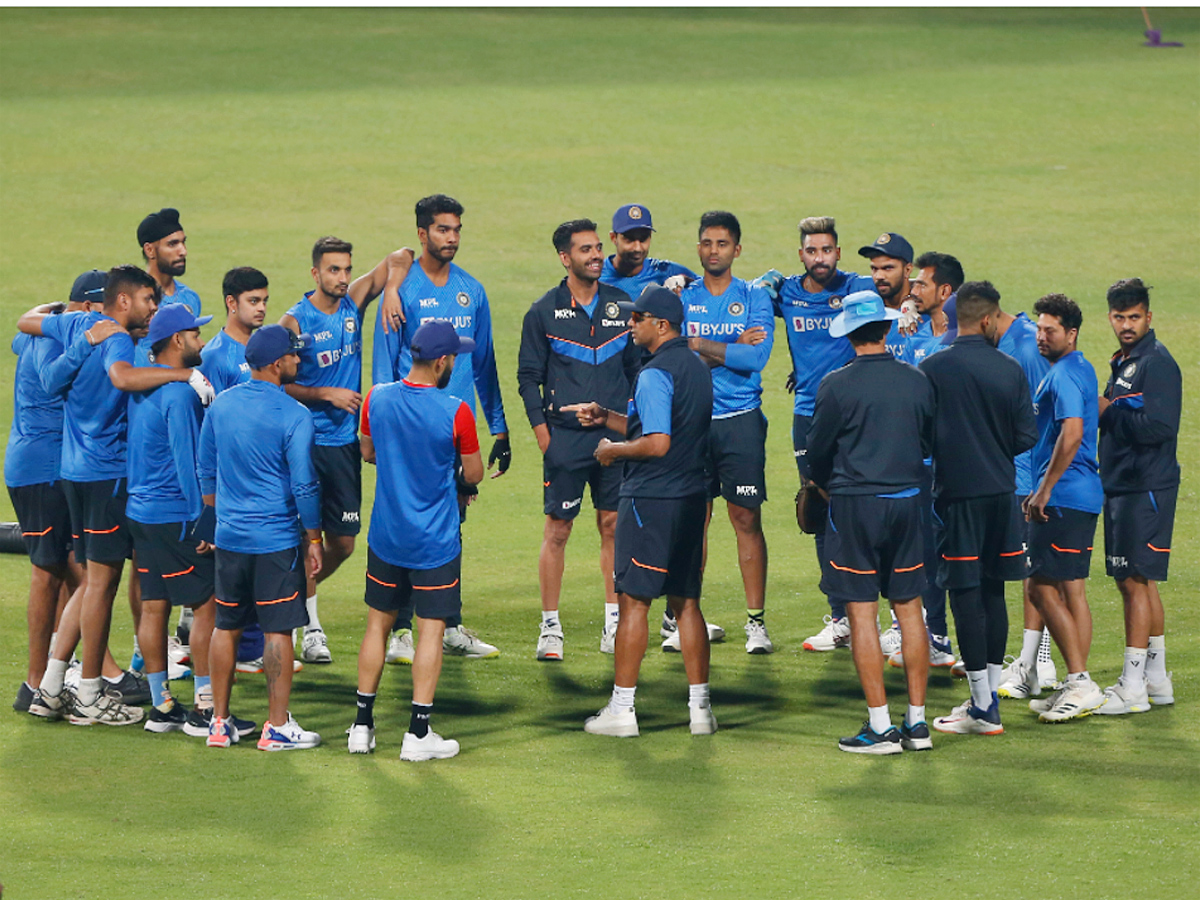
(198, 721)
(915, 737)
(132, 690)
(867, 741)
(24, 698)
(172, 720)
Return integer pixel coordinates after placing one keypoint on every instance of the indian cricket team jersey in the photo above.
(737, 385)
(334, 360)
(35, 442)
(924, 343)
(654, 271)
(183, 294)
(806, 317)
(1069, 391)
(224, 362)
(164, 436)
(463, 301)
(899, 344)
(1020, 342)
(417, 430)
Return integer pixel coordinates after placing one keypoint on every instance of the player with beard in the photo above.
(329, 384)
(164, 248)
(631, 267)
(933, 289)
(807, 304)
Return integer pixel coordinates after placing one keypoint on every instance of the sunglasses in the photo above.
(641, 317)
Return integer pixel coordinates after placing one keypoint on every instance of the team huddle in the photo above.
(943, 447)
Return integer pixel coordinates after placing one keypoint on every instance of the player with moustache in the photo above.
(329, 384)
(660, 521)
(731, 325)
(575, 347)
(808, 304)
(933, 287)
(1139, 470)
(1065, 504)
(163, 243)
(630, 267)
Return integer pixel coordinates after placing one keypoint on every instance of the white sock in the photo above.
(981, 691)
(1079, 676)
(1134, 673)
(314, 624)
(622, 698)
(1156, 658)
(1030, 640)
(550, 617)
(698, 696)
(136, 648)
(878, 718)
(89, 691)
(116, 680)
(612, 611)
(1044, 647)
(994, 671)
(52, 681)
(53, 641)
(914, 715)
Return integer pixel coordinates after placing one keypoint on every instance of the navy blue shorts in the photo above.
(873, 546)
(98, 522)
(980, 537)
(1137, 533)
(569, 467)
(168, 566)
(339, 470)
(735, 462)
(429, 593)
(267, 588)
(1061, 549)
(45, 521)
(659, 546)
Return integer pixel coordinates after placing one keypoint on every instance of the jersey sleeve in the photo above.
(652, 396)
(1068, 399)
(533, 361)
(183, 418)
(60, 374)
(305, 488)
(466, 439)
(753, 357)
(385, 351)
(364, 419)
(483, 358)
(206, 459)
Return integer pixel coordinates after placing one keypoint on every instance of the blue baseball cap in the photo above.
(889, 244)
(950, 308)
(858, 309)
(271, 342)
(89, 287)
(437, 338)
(657, 301)
(631, 216)
(171, 319)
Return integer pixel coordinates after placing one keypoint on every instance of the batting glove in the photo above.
(202, 387)
(770, 281)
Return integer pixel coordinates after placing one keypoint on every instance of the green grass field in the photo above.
(1048, 150)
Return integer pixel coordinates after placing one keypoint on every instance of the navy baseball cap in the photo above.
(889, 244)
(858, 309)
(269, 343)
(89, 287)
(437, 338)
(631, 216)
(950, 308)
(171, 319)
(656, 301)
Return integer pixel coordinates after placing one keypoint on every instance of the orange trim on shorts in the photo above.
(144, 571)
(1158, 549)
(436, 587)
(377, 581)
(280, 600)
(1013, 553)
(644, 566)
(855, 571)
(223, 603)
(1066, 549)
(545, 484)
(177, 574)
(37, 533)
(957, 559)
(909, 569)
(109, 531)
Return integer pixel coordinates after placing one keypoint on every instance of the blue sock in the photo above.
(202, 682)
(158, 687)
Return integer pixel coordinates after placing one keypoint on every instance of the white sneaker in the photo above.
(671, 645)
(941, 653)
(177, 671)
(106, 710)
(314, 648)
(757, 642)
(400, 648)
(959, 669)
(177, 651)
(1045, 704)
(1078, 699)
(967, 718)
(703, 720)
(608, 637)
(288, 736)
(669, 627)
(614, 724)
(889, 641)
(361, 739)
(256, 666)
(1120, 700)
(459, 641)
(1161, 693)
(1019, 681)
(550, 643)
(1047, 674)
(836, 633)
(432, 746)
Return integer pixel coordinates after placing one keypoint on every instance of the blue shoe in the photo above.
(915, 737)
(288, 736)
(867, 741)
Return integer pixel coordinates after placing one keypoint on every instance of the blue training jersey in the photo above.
(224, 362)
(1070, 391)
(924, 343)
(737, 385)
(1020, 342)
(806, 317)
(899, 344)
(256, 456)
(334, 360)
(34, 449)
(463, 301)
(164, 436)
(417, 430)
(183, 294)
(654, 271)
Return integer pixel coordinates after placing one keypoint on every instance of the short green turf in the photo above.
(1047, 149)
